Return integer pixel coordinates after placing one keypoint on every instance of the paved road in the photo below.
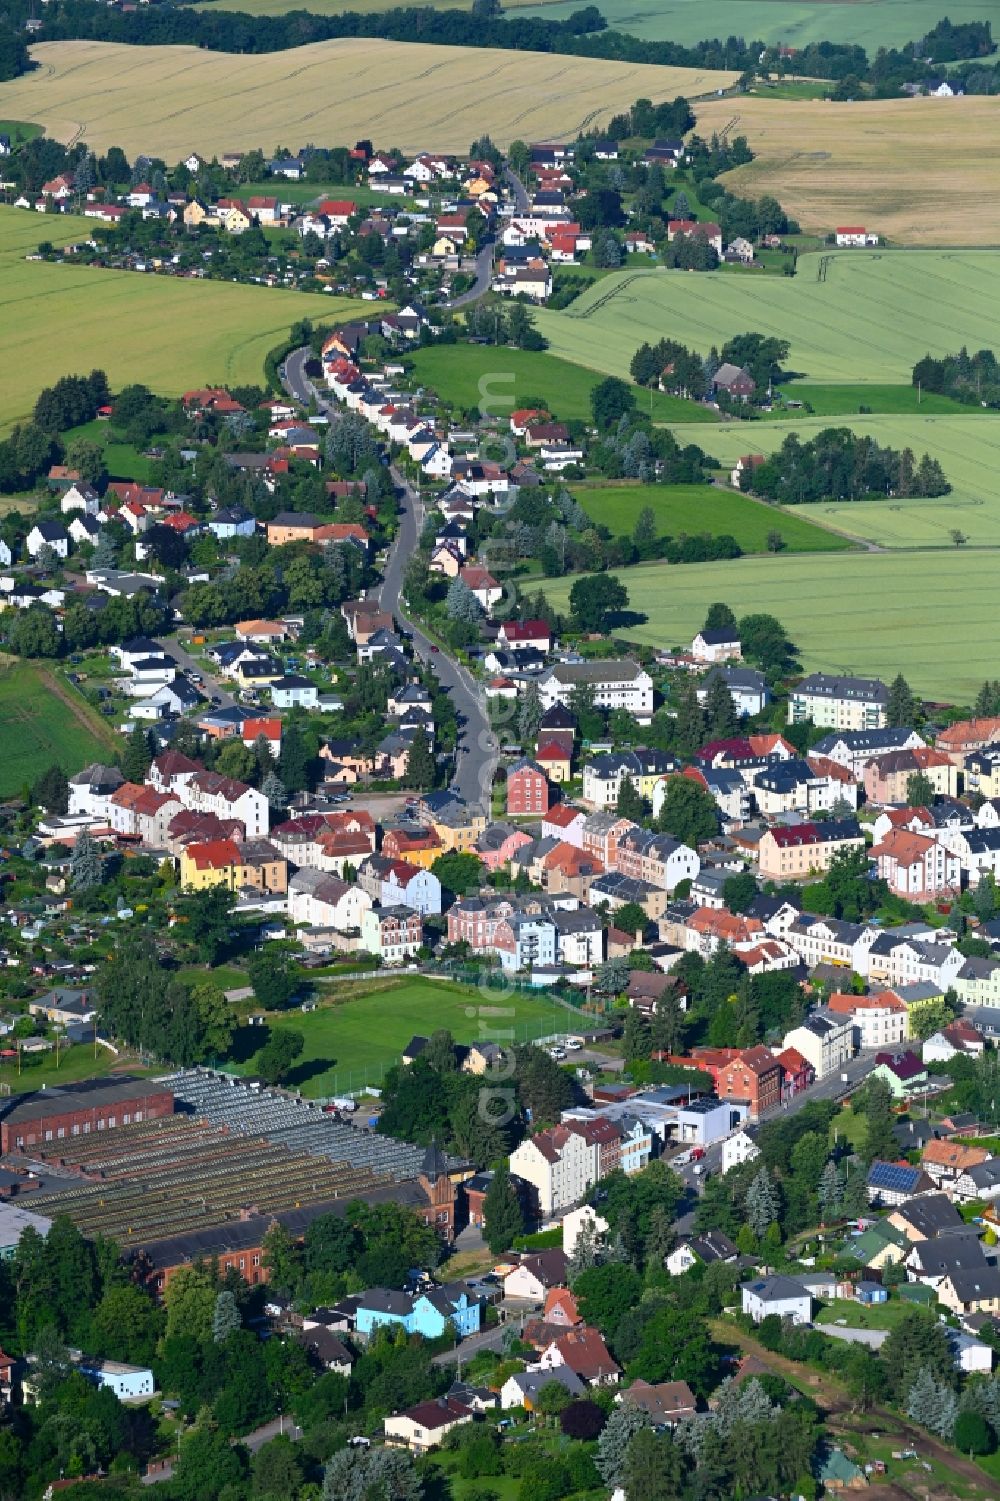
(476, 750)
(210, 684)
(521, 200)
(252, 1441)
(484, 275)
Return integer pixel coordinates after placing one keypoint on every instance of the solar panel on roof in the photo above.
(892, 1176)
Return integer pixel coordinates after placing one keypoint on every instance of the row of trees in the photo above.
(839, 464)
(970, 378)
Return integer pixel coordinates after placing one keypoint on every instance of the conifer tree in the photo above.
(86, 865)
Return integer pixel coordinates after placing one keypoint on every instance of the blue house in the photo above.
(453, 1303)
(426, 1313)
(869, 1293)
(232, 521)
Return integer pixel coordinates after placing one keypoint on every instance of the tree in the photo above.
(918, 1342)
(276, 1057)
(281, 1258)
(880, 1120)
(225, 1317)
(920, 790)
(635, 1039)
(830, 1192)
(458, 872)
(630, 803)
(931, 1404)
(34, 633)
(208, 921)
(739, 891)
(688, 812)
(653, 1467)
(273, 789)
(552, 1399)
(613, 1445)
(901, 706)
(276, 1470)
(529, 714)
(610, 400)
(582, 1420)
(52, 790)
(502, 1217)
(371, 1475)
(189, 1298)
(689, 724)
(137, 756)
(973, 1435)
(720, 618)
(271, 977)
(762, 1204)
(236, 760)
(595, 599)
(420, 768)
(86, 864)
(294, 759)
(720, 711)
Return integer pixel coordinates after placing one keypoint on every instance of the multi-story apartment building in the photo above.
(843, 703)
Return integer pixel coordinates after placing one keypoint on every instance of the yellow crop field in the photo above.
(166, 333)
(922, 171)
(169, 101)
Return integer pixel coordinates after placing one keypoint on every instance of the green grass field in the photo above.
(44, 720)
(858, 1316)
(19, 131)
(929, 615)
(169, 334)
(870, 318)
(354, 1041)
(845, 401)
(706, 508)
(968, 448)
(872, 23)
(465, 375)
(75, 1063)
(121, 459)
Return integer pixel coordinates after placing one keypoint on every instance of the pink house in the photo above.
(499, 844)
(917, 868)
(527, 790)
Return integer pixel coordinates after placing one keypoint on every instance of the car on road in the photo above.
(435, 648)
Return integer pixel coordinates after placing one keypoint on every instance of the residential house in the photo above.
(896, 1183)
(47, 534)
(917, 868)
(825, 1038)
(715, 646)
(780, 1295)
(879, 1020)
(536, 1274)
(522, 1390)
(559, 1165)
(842, 703)
(798, 851)
(427, 1424)
(620, 684)
(527, 790)
(583, 1350)
(902, 1070)
(753, 1075)
(666, 1403)
(395, 934)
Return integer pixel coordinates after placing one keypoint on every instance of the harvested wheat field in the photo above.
(922, 171)
(168, 101)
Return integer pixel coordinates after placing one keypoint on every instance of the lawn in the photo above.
(967, 446)
(499, 380)
(167, 333)
(19, 131)
(853, 1128)
(847, 401)
(706, 508)
(871, 23)
(902, 167)
(44, 721)
(415, 96)
(75, 1063)
(850, 317)
(930, 615)
(122, 460)
(356, 1039)
(856, 1316)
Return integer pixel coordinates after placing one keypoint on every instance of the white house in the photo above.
(737, 1149)
(424, 1426)
(535, 1275)
(124, 1380)
(616, 684)
(287, 692)
(47, 534)
(319, 899)
(522, 1389)
(824, 1039)
(855, 236)
(575, 1221)
(80, 497)
(780, 1295)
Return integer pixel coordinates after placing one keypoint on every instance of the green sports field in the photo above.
(872, 23)
(353, 1042)
(968, 448)
(929, 615)
(499, 380)
(44, 721)
(851, 317)
(693, 509)
(165, 332)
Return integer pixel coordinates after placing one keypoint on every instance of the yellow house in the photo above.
(459, 832)
(195, 213)
(256, 675)
(971, 1291)
(420, 848)
(446, 245)
(917, 998)
(216, 863)
(235, 220)
(554, 761)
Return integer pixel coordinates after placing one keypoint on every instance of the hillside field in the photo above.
(499, 380)
(872, 23)
(168, 101)
(850, 316)
(43, 721)
(921, 171)
(968, 448)
(693, 509)
(167, 333)
(354, 1041)
(929, 615)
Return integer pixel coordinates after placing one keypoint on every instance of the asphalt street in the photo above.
(476, 749)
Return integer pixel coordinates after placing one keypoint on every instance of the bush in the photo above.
(582, 1420)
(973, 1435)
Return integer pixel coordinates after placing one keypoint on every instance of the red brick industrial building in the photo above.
(33, 1121)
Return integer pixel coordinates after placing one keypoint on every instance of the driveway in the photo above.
(210, 684)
